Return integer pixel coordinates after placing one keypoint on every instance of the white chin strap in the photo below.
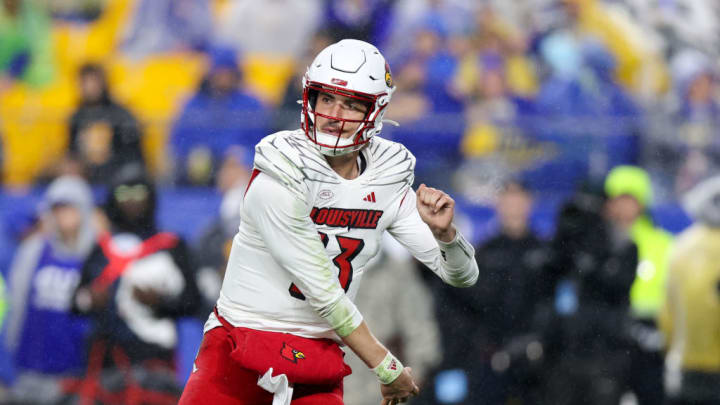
(343, 145)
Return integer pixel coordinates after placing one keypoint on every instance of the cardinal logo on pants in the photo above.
(291, 353)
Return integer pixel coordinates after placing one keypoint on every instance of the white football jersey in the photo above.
(306, 235)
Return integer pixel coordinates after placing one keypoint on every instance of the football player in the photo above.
(318, 202)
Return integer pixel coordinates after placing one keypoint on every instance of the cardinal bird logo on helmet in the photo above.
(290, 353)
(388, 75)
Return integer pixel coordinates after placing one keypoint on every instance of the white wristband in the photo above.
(389, 369)
(457, 252)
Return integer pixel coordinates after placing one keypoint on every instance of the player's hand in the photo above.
(91, 299)
(147, 296)
(399, 390)
(437, 210)
(99, 297)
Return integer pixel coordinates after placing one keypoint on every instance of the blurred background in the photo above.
(568, 131)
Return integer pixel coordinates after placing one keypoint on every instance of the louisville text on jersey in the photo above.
(342, 217)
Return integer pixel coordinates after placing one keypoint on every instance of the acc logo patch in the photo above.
(325, 194)
(388, 75)
(290, 353)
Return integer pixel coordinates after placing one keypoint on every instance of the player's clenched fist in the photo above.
(436, 209)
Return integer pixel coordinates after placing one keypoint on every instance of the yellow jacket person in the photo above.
(690, 318)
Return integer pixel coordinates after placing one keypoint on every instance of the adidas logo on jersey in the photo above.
(370, 197)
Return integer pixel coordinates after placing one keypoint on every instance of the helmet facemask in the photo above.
(349, 68)
(331, 144)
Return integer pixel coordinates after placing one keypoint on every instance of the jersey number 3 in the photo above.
(349, 249)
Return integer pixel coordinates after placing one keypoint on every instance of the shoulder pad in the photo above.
(290, 159)
(392, 163)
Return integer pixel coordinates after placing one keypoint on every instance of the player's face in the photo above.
(67, 219)
(132, 200)
(624, 210)
(513, 207)
(91, 87)
(343, 108)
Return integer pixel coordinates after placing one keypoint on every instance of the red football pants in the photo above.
(218, 380)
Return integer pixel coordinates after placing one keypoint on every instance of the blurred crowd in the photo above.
(560, 125)
(552, 90)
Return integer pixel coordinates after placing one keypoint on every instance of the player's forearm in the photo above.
(458, 262)
(386, 367)
(342, 315)
(365, 345)
(446, 235)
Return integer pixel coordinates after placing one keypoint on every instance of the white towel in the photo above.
(278, 385)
